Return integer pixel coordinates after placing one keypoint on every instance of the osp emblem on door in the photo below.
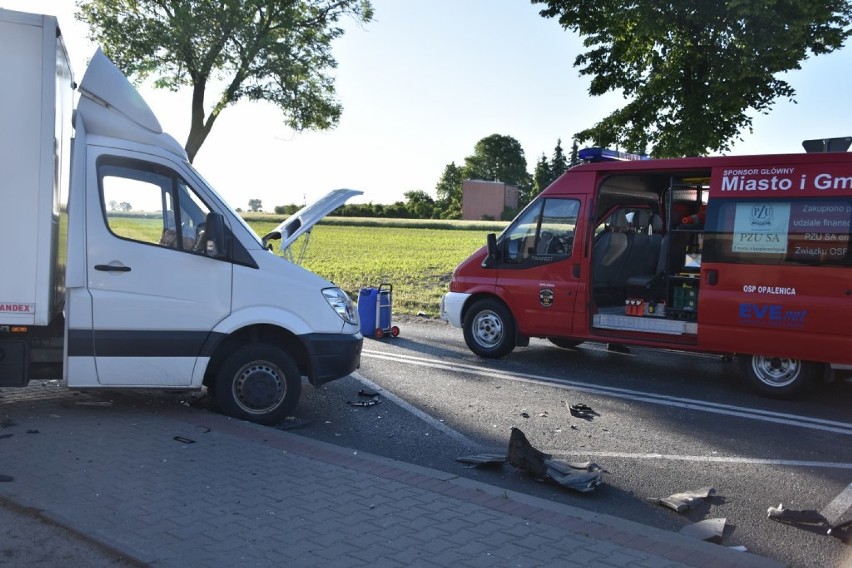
(545, 296)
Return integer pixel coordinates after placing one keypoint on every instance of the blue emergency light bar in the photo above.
(607, 155)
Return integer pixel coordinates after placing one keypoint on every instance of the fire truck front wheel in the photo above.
(489, 329)
(780, 377)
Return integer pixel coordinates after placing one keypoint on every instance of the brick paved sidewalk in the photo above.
(176, 486)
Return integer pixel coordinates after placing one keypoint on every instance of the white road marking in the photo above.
(798, 421)
(710, 459)
(430, 420)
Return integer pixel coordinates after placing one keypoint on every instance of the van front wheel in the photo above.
(780, 377)
(489, 329)
(259, 383)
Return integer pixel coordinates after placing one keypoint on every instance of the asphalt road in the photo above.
(668, 422)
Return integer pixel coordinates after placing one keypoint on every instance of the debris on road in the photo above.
(682, 502)
(483, 460)
(582, 411)
(524, 456)
(784, 515)
(6, 478)
(836, 515)
(710, 530)
(579, 477)
(372, 399)
(292, 423)
(583, 477)
(183, 440)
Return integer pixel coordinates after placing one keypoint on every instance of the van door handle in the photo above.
(111, 268)
(712, 277)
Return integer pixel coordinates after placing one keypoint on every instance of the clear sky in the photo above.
(420, 85)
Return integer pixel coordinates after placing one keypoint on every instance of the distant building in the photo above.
(487, 199)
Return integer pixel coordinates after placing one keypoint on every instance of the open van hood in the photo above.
(305, 218)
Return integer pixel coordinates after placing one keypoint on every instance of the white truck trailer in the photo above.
(121, 268)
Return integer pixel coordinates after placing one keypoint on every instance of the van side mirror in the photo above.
(493, 252)
(215, 235)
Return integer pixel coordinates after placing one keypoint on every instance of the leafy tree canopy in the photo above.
(691, 71)
(272, 50)
(498, 158)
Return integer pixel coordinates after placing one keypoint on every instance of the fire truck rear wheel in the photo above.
(489, 329)
(780, 377)
(259, 383)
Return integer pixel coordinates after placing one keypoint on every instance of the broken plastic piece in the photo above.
(483, 460)
(710, 530)
(183, 440)
(583, 477)
(687, 500)
(524, 456)
(582, 411)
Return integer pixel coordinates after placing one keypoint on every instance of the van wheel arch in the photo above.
(256, 334)
(781, 377)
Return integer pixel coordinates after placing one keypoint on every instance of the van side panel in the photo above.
(776, 276)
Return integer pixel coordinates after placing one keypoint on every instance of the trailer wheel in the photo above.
(260, 383)
(780, 377)
(565, 343)
(489, 329)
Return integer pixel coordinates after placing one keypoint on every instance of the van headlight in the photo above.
(340, 303)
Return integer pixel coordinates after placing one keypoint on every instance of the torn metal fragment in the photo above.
(483, 460)
(687, 500)
(709, 529)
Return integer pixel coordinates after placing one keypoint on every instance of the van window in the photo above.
(151, 204)
(770, 231)
(544, 232)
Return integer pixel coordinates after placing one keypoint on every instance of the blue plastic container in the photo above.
(367, 310)
(374, 310)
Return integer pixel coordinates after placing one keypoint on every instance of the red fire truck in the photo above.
(743, 256)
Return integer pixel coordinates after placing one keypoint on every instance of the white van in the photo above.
(120, 267)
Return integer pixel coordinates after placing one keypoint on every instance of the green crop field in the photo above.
(417, 262)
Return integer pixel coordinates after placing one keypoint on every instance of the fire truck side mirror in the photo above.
(493, 254)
